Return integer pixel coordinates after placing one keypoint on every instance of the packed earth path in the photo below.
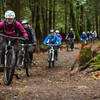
(52, 83)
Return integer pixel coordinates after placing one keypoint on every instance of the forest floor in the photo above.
(53, 84)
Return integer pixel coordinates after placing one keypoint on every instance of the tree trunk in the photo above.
(43, 18)
(3, 6)
(54, 4)
(32, 6)
(46, 16)
(81, 19)
(50, 14)
(65, 16)
(17, 9)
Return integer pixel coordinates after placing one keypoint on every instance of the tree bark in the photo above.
(50, 14)
(54, 4)
(65, 16)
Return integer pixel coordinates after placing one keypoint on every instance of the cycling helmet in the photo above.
(71, 29)
(25, 22)
(52, 30)
(88, 32)
(84, 33)
(10, 14)
(57, 31)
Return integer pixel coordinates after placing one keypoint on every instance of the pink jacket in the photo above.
(59, 36)
(11, 31)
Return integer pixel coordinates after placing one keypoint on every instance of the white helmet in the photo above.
(9, 14)
(24, 22)
(57, 31)
(71, 29)
(52, 30)
(84, 33)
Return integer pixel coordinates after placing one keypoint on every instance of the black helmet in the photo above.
(25, 22)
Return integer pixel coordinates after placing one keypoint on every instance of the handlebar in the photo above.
(26, 44)
(70, 39)
(18, 38)
(52, 44)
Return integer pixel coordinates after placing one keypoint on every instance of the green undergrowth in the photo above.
(94, 63)
(86, 55)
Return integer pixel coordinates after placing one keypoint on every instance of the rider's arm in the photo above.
(33, 35)
(22, 30)
(81, 37)
(58, 39)
(1, 25)
(67, 36)
(86, 37)
(74, 35)
(46, 39)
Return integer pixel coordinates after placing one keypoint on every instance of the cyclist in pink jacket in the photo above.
(13, 28)
(59, 35)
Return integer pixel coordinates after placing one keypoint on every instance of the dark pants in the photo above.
(30, 51)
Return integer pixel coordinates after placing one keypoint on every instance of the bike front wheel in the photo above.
(9, 66)
(51, 64)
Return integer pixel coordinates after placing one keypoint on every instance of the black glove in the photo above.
(26, 38)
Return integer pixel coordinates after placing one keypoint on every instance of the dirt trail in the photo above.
(52, 84)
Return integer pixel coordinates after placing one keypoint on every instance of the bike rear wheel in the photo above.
(9, 66)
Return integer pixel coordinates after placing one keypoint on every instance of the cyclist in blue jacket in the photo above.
(53, 39)
(84, 36)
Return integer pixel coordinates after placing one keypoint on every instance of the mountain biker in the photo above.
(95, 34)
(32, 38)
(71, 35)
(88, 34)
(84, 37)
(53, 39)
(59, 35)
(9, 26)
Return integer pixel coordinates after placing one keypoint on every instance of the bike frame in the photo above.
(51, 52)
(7, 48)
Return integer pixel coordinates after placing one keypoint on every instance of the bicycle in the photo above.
(84, 41)
(23, 61)
(69, 44)
(10, 60)
(51, 55)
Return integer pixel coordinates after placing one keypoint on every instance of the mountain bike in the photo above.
(85, 41)
(51, 55)
(69, 44)
(24, 61)
(9, 59)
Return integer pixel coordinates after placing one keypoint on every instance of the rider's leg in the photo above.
(30, 51)
(72, 44)
(15, 43)
(56, 52)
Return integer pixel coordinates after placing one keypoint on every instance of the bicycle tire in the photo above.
(9, 67)
(51, 63)
(19, 68)
(28, 66)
